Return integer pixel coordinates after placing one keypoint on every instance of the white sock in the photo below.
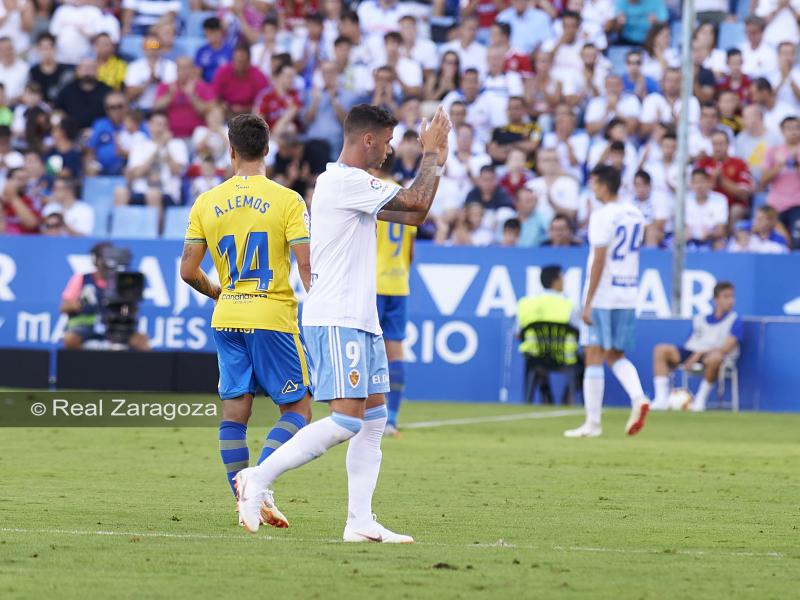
(661, 386)
(701, 397)
(309, 443)
(364, 464)
(593, 386)
(628, 376)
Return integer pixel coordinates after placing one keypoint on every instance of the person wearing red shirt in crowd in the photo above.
(517, 175)
(735, 80)
(500, 35)
(186, 100)
(280, 104)
(238, 83)
(731, 176)
(20, 212)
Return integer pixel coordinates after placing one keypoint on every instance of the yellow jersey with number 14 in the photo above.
(394, 258)
(249, 224)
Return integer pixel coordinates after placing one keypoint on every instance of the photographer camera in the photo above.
(102, 306)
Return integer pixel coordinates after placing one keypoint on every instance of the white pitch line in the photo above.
(497, 419)
(499, 544)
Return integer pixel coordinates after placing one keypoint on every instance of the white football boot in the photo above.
(589, 430)
(248, 500)
(374, 532)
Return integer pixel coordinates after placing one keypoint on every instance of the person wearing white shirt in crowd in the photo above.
(665, 106)
(529, 26)
(572, 147)
(614, 103)
(13, 71)
(785, 80)
(78, 215)
(378, 17)
(352, 77)
(361, 52)
(499, 85)
(74, 25)
(656, 207)
(470, 52)
(615, 150)
(566, 47)
(592, 24)
(461, 172)
(557, 192)
(700, 136)
(781, 17)
(458, 117)
(11, 24)
(419, 49)
(774, 111)
(155, 168)
(758, 55)
(410, 119)
(659, 55)
(664, 170)
(751, 238)
(409, 72)
(590, 79)
(752, 142)
(706, 215)
(145, 74)
(705, 51)
(332, 9)
(273, 41)
(479, 106)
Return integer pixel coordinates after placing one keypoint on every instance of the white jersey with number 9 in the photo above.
(620, 228)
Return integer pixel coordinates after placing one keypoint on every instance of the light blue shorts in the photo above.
(611, 329)
(349, 363)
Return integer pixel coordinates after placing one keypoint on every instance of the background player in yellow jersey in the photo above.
(395, 252)
(249, 223)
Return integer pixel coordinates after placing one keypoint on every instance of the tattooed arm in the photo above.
(191, 272)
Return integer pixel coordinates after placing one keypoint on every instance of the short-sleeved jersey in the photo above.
(344, 212)
(620, 228)
(248, 224)
(394, 257)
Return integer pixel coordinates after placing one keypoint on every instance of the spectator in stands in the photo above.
(519, 133)
(705, 51)
(111, 69)
(471, 53)
(785, 80)
(715, 340)
(73, 25)
(571, 146)
(735, 80)
(238, 83)
(447, 78)
(729, 109)
(759, 58)
(349, 27)
(82, 302)
(781, 19)
(530, 26)
(656, 207)
(379, 17)
(478, 105)
(419, 49)
(560, 234)
(730, 176)
(659, 55)
(614, 103)
(759, 236)
(103, 139)
(144, 75)
(460, 173)
(20, 214)
(773, 111)
(515, 174)
(556, 191)
(514, 60)
(664, 106)
(207, 179)
(352, 76)
(635, 17)
(700, 137)
(511, 230)
(155, 166)
(706, 213)
(65, 157)
(78, 215)
(409, 72)
(52, 222)
(480, 234)
(186, 100)
(37, 188)
(410, 119)
(83, 99)
(543, 91)
(325, 110)
(48, 73)
(634, 81)
(13, 71)
(215, 52)
(533, 225)
(406, 159)
(565, 47)
(496, 202)
(138, 16)
(753, 141)
(781, 176)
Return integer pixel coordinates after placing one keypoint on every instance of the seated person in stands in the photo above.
(714, 341)
(82, 300)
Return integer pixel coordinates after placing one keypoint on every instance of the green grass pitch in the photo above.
(697, 506)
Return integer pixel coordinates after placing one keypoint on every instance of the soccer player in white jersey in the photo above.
(340, 318)
(609, 309)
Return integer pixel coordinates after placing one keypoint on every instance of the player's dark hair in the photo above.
(721, 287)
(249, 136)
(608, 176)
(549, 275)
(367, 118)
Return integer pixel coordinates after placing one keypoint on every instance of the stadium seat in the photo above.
(742, 10)
(175, 220)
(102, 216)
(188, 45)
(730, 35)
(97, 190)
(134, 222)
(728, 370)
(617, 55)
(130, 46)
(676, 31)
(194, 23)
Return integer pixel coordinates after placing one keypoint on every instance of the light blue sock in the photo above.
(233, 449)
(289, 424)
(397, 385)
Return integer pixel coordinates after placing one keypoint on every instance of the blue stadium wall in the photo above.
(461, 333)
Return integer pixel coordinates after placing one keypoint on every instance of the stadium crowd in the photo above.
(539, 92)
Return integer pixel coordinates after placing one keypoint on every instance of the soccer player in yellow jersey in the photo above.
(249, 224)
(395, 251)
